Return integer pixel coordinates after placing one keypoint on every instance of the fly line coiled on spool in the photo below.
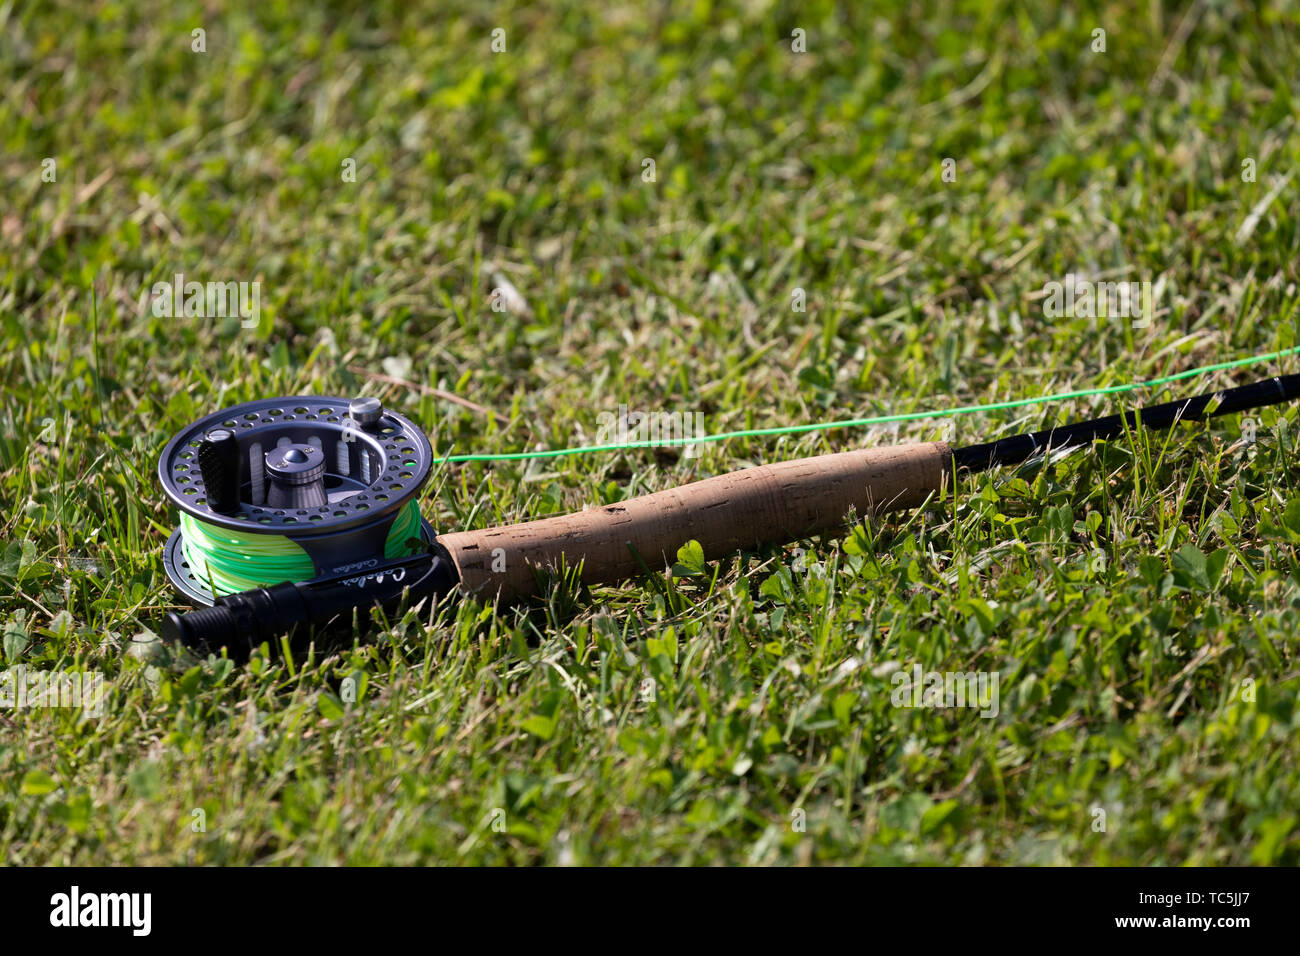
(231, 561)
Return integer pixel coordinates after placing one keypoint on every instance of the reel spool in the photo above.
(290, 489)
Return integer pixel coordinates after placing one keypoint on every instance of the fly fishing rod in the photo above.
(298, 514)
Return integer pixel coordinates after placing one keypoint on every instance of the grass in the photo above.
(1139, 601)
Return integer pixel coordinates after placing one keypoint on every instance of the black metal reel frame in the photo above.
(376, 462)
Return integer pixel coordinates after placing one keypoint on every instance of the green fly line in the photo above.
(879, 419)
(231, 561)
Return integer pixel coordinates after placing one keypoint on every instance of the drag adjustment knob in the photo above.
(297, 474)
(365, 412)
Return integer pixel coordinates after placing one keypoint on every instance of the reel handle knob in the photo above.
(218, 458)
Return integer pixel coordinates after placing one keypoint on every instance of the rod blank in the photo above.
(1018, 448)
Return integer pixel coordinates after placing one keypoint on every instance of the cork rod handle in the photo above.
(744, 509)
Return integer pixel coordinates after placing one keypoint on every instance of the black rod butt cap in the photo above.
(202, 630)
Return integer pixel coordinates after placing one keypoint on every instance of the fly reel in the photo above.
(292, 489)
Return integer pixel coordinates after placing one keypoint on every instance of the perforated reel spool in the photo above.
(331, 474)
